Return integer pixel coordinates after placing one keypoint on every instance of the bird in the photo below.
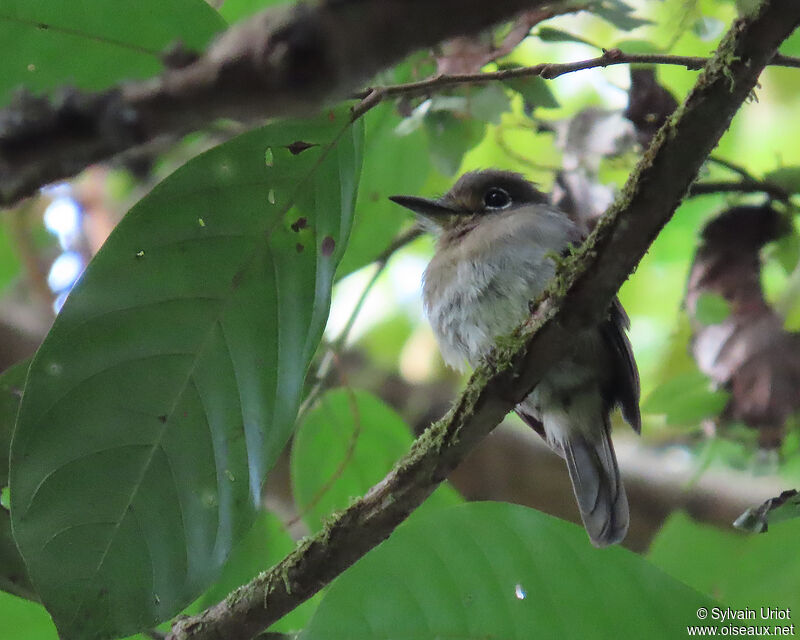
(498, 239)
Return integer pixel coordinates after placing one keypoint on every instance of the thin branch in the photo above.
(375, 95)
(577, 301)
(732, 166)
(780, 60)
(336, 346)
(744, 186)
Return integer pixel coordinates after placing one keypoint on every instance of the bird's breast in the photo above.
(474, 294)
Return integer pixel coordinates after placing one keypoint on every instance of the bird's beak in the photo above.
(430, 209)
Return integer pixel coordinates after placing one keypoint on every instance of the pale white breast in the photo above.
(477, 287)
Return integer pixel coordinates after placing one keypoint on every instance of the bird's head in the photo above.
(474, 200)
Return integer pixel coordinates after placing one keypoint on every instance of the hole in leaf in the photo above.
(269, 159)
(298, 147)
(271, 196)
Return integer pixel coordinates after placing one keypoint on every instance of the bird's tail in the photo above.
(595, 480)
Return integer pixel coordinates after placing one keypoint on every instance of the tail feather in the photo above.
(598, 489)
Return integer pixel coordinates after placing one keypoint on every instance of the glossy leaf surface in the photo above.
(497, 570)
(170, 380)
(93, 44)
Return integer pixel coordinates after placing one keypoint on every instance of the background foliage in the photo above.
(133, 492)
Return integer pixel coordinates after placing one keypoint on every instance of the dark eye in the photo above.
(496, 198)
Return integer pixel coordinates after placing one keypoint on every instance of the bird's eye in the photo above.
(496, 198)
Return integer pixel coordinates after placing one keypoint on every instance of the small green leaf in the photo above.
(620, 18)
(449, 138)
(685, 399)
(497, 570)
(618, 13)
(533, 89)
(488, 103)
(787, 178)
(712, 308)
(345, 445)
(549, 34)
(786, 250)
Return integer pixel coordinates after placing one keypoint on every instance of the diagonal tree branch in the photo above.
(286, 61)
(578, 300)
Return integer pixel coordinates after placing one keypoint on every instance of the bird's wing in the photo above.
(623, 388)
(624, 385)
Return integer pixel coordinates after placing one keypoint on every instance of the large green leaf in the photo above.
(741, 570)
(497, 570)
(345, 445)
(93, 44)
(170, 380)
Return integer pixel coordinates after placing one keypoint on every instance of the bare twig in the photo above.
(732, 166)
(743, 186)
(611, 57)
(577, 301)
(336, 346)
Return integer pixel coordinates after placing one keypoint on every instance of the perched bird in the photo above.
(497, 236)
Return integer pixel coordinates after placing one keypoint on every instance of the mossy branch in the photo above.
(577, 300)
